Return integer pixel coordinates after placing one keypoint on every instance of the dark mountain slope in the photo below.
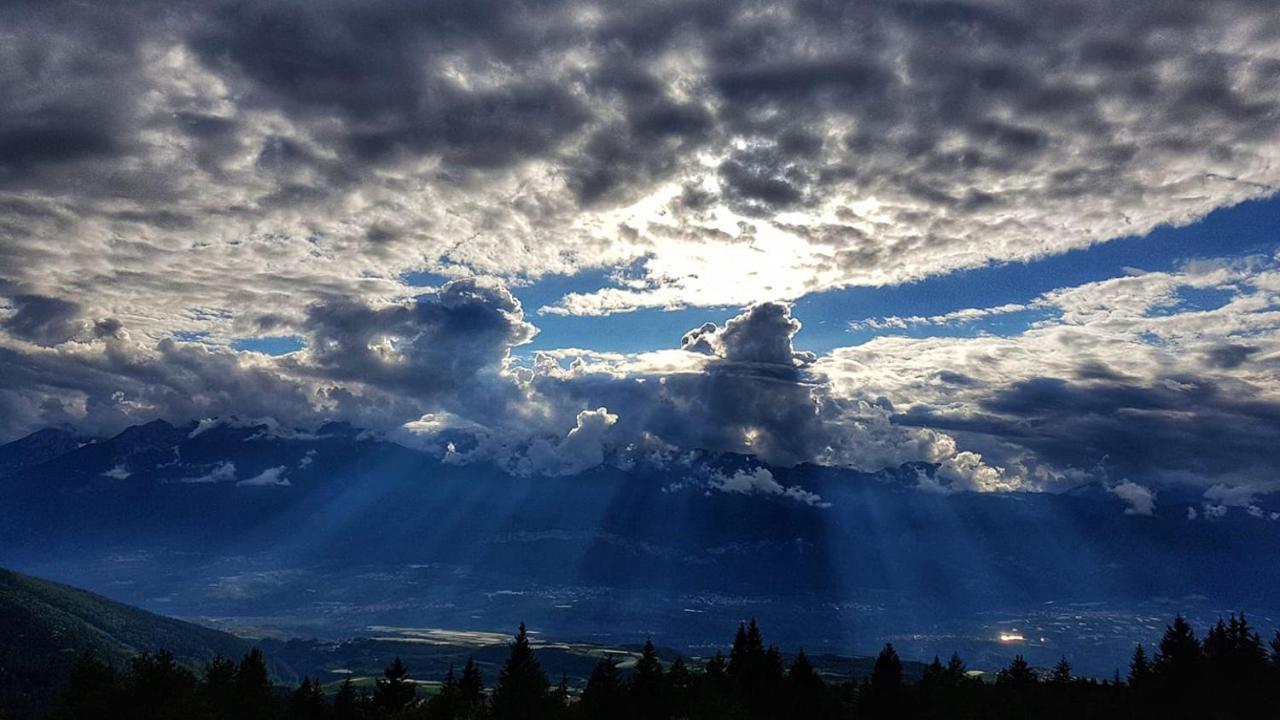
(45, 626)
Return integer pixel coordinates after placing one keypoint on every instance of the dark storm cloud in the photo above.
(1179, 428)
(437, 345)
(1229, 355)
(382, 69)
(44, 320)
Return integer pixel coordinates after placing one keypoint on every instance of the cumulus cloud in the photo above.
(582, 449)
(760, 481)
(1141, 500)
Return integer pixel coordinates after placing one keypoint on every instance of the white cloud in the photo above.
(271, 477)
(1141, 500)
(760, 481)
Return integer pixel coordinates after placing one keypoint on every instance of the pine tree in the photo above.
(1018, 675)
(560, 697)
(1139, 668)
(934, 674)
(91, 687)
(394, 690)
(678, 684)
(253, 687)
(471, 692)
(1061, 672)
(1177, 664)
(218, 689)
(155, 686)
(886, 675)
(647, 688)
(444, 704)
(956, 672)
(522, 688)
(806, 691)
(346, 704)
(307, 702)
(604, 697)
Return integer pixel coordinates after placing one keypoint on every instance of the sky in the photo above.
(1030, 242)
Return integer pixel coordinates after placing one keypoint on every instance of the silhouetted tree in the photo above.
(677, 684)
(1061, 672)
(933, 675)
(886, 675)
(394, 690)
(92, 687)
(307, 702)
(253, 687)
(882, 695)
(155, 687)
(346, 703)
(648, 695)
(604, 697)
(806, 691)
(1180, 655)
(956, 670)
(522, 688)
(560, 699)
(1139, 668)
(1018, 675)
(444, 704)
(471, 704)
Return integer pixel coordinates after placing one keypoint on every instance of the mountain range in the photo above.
(326, 532)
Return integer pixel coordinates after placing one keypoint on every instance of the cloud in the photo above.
(224, 170)
(44, 320)
(760, 481)
(1123, 372)
(119, 472)
(221, 472)
(582, 449)
(1140, 499)
(271, 477)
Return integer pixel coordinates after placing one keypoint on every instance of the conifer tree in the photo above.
(934, 674)
(394, 690)
(346, 703)
(806, 691)
(1178, 662)
(886, 675)
(1018, 675)
(155, 686)
(604, 697)
(956, 672)
(444, 704)
(521, 693)
(1139, 668)
(471, 692)
(307, 702)
(1061, 672)
(91, 686)
(560, 697)
(253, 687)
(218, 689)
(647, 688)
(678, 684)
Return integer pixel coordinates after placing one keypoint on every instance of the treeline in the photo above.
(1231, 673)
